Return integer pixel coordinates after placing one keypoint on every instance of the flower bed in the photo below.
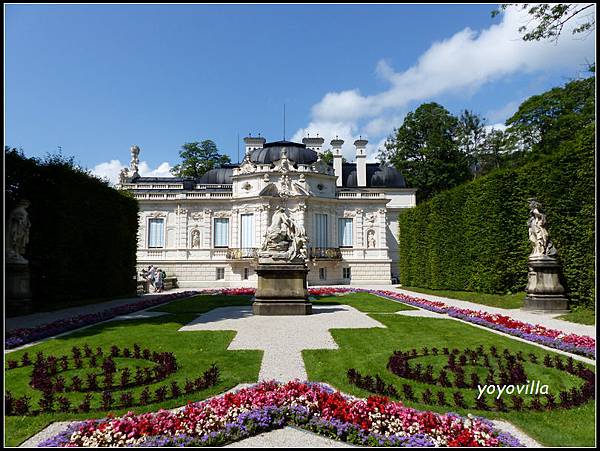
(270, 405)
(106, 376)
(19, 337)
(502, 368)
(576, 344)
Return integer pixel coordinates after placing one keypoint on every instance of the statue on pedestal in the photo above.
(282, 288)
(17, 233)
(17, 293)
(545, 292)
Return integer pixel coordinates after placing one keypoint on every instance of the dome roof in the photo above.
(271, 152)
(217, 176)
(388, 176)
(377, 177)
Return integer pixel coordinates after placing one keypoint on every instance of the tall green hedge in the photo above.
(474, 237)
(82, 242)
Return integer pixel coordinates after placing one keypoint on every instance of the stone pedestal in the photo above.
(281, 289)
(545, 293)
(18, 291)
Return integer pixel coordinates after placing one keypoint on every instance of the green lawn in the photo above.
(515, 300)
(195, 352)
(571, 427)
(364, 302)
(581, 316)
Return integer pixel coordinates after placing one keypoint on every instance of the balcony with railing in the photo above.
(325, 253)
(242, 253)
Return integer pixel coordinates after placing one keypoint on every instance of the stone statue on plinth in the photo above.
(545, 293)
(282, 270)
(135, 161)
(17, 233)
(18, 291)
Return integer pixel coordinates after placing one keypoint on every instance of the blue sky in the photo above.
(95, 79)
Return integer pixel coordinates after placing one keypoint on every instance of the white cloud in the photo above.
(504, 112)
(110, 170)
(460, 64)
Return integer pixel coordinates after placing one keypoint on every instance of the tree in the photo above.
(426, 150)
(543, 121)
(548, 20)
(198, 158)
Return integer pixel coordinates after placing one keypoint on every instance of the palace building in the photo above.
(207, 231)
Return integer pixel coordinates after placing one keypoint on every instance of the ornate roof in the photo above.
(271, 152)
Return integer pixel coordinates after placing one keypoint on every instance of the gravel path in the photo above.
(282, 338)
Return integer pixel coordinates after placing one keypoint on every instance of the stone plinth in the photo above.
(281, 290)
(545, 293)
(18, 292)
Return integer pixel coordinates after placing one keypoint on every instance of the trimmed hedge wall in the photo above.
(83, 235)
(474, 237)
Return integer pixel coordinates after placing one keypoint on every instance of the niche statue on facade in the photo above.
(195, 239)
(370, 239)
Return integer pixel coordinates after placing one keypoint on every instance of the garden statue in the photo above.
(284, 240)
(17, 233)
(17, 292)
(545, 292)
(538, 234)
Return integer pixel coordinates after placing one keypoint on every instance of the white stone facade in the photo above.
(206, 231)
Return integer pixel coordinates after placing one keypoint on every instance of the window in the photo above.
(220, 273)
(321, 230)
(247, 235)
(221, 232)
(156, 233)
(345, 232)
(246, 273)
(322, 273)
(346, 274)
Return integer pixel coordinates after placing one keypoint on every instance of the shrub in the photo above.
(474, 237)
(64, 251)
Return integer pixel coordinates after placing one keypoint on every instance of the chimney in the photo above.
(336, 150)
(315, 144)
(361, 162)
(253, 143)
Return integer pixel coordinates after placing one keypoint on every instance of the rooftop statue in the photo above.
(135, 160)
(538, 234)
